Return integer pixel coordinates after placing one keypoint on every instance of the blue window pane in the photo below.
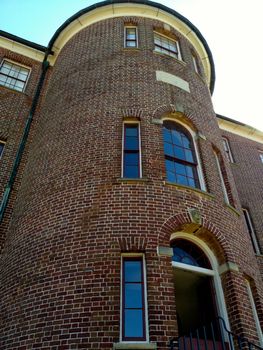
(180, 169)
(131, 143)
(189, 156)
(182, 180)
(1, 148)
(133, 324)
(168, 149)
(131, 159)
(131, 130)
(186, 142)
(132, 271)
(189, 171)
(179, 152)
(169, 165)
(182, 256)
(171, 176)
(167, 136)
(133, 295)
(177, 140)
(192, 182)
(131, 171)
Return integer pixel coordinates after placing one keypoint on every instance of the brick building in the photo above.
(131, 214)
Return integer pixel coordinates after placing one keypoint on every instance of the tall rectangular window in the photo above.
(251, 231)
(13, 76)
(221, 178)
(166, 45)
(195, 63)
(133, 299)
(131, 150)
(227, 150)
(261, 156)
(255, 314)
(2, 146)
(131, 37)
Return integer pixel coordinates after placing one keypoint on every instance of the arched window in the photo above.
(180, 158)
(187, 253)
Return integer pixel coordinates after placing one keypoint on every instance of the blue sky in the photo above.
(232, 29)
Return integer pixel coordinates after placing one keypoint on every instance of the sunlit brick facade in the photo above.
(121, 214)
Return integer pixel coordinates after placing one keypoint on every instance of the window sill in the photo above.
(232, 209)
(135, 49)
(132, 180)
(13, 90)
(174, 58)
(203, 193)
(134, 346)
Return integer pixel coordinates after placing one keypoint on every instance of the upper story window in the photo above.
(13, 76)
(131, 158)
(261, 156)
(227, 150)
(251, 231)
(133, 318)
(166, 45)
(222, 178)
(131, 37)
(2, 146)
(180, 156)
(196, 64)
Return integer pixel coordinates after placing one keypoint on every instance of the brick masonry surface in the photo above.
(72, 215)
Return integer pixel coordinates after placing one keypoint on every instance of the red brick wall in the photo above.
(74, 215)
(247, 170)
(14, 111)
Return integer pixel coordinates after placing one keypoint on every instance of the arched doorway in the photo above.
(198, 293)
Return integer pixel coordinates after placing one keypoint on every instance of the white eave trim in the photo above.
(242, 130)
(21, 49)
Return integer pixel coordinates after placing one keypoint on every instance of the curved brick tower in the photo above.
(124, 171)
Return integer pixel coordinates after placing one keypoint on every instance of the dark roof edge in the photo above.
(143, 2)
(23, 41)
(231, 120)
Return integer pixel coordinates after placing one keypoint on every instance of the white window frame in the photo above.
(251, 231)
(140, 147)
(261, 156)
(214, 272)
(255, 314)
(19, 65)
(3, 143)
(198, 159)
(125, 37)
(171, 39)
(227, 150)
(195, 63)
(221, 178)
(134, 255)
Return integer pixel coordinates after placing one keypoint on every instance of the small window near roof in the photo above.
(2, 146)
(166, 45)
(196, 64)
(131, 37)
(227, 150)
(261, 156)
(13, 76)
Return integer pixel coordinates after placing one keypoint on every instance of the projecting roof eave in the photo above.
(22, 41)
(238, 128)
(76, 16)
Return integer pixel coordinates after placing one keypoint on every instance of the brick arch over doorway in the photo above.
(206, 231)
